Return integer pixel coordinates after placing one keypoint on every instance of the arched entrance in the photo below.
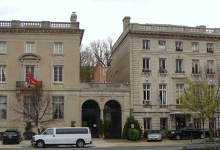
(91, 114)
(112, 120)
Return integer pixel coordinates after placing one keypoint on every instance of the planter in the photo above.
(100, 136)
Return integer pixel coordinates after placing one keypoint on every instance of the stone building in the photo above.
(50, 52)
(155, 59)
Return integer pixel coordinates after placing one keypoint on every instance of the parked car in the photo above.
(187, 131)
(11, 136)
(154, 135)
(78, 136)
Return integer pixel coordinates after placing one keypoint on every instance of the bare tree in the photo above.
(87, 63)
(103, 50)
(33, 106)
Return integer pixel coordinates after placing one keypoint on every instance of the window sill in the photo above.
(57, 82)
(54, 54)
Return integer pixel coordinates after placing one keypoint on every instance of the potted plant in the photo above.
(101, 128)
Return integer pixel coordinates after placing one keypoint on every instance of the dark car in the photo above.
(11, 136)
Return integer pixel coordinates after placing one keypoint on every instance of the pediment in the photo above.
(29, 56)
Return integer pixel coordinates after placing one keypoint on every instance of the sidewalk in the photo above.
(115, 143)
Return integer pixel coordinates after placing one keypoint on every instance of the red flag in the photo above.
(32, 80)
(184, 92)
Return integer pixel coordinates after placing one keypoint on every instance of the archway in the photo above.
(91, 114)
(112, 120)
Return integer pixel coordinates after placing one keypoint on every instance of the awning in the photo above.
(176, 113)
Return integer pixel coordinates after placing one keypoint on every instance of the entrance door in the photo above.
(112, 120)
(91, 114)
(180, 123)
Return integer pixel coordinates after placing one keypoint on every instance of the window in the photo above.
(195, 47)
(28, 107)
(195, 66)
(58, 74)
(163, 123)
(197, 123)
(146, 93)
(210, 67)
(163, 94)
(179, 46)
(29, 69)
(116, 76)
(146, 44)
(210, 47)
(162, 66)
(104, 72)
(3, 74)
(58, 48)
(147, 123)
(179, 66)
(48, 132)
(146, 65)
(30, 47)
(2, 47)
(162, 45)
(179, 92)
(3, 107)
(58, 107)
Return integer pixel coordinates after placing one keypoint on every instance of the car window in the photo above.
(48, 132)
(154, 131)
(10, 133)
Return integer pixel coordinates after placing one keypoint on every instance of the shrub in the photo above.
(101, 127)
(84, 124)
(145, 133)
(130, 120)
(165, 133)
(133, 134)
(72, 124)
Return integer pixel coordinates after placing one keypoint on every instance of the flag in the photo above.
(184, 92)
(32, 80)
(158, 98)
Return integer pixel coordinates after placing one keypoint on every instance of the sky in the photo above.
(103, 18)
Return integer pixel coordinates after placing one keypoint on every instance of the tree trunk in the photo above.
(211, 130)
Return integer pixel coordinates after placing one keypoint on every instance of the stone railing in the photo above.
(105, 86)
(43, 24)
(171, 28)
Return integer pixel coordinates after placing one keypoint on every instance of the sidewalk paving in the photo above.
(115, 143)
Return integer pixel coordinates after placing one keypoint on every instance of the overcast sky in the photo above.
(103, 18)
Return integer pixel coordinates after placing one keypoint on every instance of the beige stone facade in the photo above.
(154, 60)
(50, 51)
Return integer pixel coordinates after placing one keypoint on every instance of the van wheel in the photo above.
(80, 143)
(40, 144)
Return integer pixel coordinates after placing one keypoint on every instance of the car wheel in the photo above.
(3, 142)
(201, 136)
(40, 144)
(80, 143)
(18, 142)
(178, 137)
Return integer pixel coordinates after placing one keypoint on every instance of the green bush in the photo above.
(84, 124)
(145, 133)
(133, 134)
(101, 127)
(165, 133)
(72, 124)
(130, 120)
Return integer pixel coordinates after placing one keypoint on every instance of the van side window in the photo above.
(48, 132)
(72, 131)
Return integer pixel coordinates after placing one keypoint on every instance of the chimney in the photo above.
(73, 17)
(126, 22)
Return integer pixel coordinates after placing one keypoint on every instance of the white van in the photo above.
(78, 136)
